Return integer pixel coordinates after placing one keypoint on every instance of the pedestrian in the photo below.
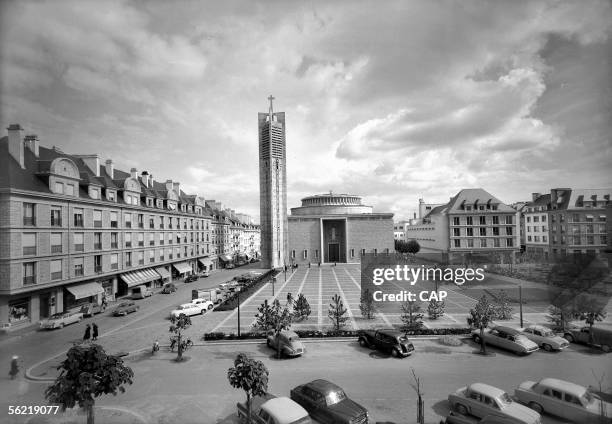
(14, 367)
(87, 334)
(104, 302)
(95, 332)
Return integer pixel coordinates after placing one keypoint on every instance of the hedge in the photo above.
(305, 334)
(249, 288)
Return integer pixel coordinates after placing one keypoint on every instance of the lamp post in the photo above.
(521, 304)
(273, 281)
(238, 297)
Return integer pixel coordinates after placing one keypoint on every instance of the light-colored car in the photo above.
(564, 399)
(545, 338)
(61, 319)
(482, 400)
(269, 409)
(204, 304)
(187, 309)
(506, 338)
(288, 342)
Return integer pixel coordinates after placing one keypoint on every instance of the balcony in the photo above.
(128, 225)
(29, 250)
(128, 244)
(56, 275)
(152, 243)
(161, 258)
(114, 245)
(78, 247)
(170, 256)
(98, 269)
(141, 262)
(114, 224)
(97, 246)
(151, 260)
(114, 266)
(56, 222)
(161, 226)
(56, 249)
(27, 281)
(161, 242)
(141, 243)
(97, 224)
(29, 221)
(128, 264)
(78, 272)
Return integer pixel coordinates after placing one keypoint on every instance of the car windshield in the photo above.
(334, 397)
(403, 339)
(520, 339)
(547, 333)
(55, 316)
(505, 399)
(122, 305)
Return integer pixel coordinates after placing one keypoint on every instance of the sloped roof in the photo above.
(587, 195)
(475, 196)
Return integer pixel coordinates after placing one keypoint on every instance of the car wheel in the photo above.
(210, 307)
(547, 347)
(536, 407)
(395, 353)
(461, 409)
(605, 348)
(476, 339)
(363, 343)
(569, 338)
(201, 311)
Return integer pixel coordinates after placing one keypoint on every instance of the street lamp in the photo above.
(273, 281)
(521, 304)
(238, 297)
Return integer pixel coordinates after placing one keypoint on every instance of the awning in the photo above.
(136, 278)
(85, 290)
(162, 272)
(205, 261)
(225, 258)
(182, 267)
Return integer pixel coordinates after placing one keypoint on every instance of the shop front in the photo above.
(130, 280)
(165, 276)
(78, 295)
(181, 270)
(205, 264)
(225, 260)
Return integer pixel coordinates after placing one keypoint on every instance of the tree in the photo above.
(503, 310)
(413, 247)
(263, 318)
(249, 375)
(367, 304)
(337, 313)
(180, 324)
(401, 246)
(301, 309)
(480, 316)
(558, 317)
(87, 373)
(589, 310)
(412, 318)
(435, 309)
(281, 320)
(420, 394)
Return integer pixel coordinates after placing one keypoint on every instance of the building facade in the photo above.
(472, 222)
(273, 188)
(73, 230)
(331, 228)
(536, 230)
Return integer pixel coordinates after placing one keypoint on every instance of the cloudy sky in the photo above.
(394, 101)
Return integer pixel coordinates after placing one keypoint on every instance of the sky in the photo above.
(394, 101)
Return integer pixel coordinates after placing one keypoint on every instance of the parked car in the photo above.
(601, 337)
(204, 304)
(328, 404)
(91, 309)
(191, 278)
(204, 274)
(61, 319)
(269, 409)
(482, 400)
(564, 399)
(188, 309)
(390, 341)
(230, 266)
(288, 342)
(125, 308)
(545, 338)
(506, 338)
(168, 288)
(455, 418)
(141, 292)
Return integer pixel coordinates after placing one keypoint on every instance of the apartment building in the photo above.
(535, 222)
(73, 230)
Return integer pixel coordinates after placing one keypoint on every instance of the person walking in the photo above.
(95, 332)
(14, 367)
(87, 334)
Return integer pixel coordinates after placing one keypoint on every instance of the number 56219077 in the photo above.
(33, 409)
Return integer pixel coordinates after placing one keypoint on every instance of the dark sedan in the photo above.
(328, 404)
(125, 308)
(191, 278)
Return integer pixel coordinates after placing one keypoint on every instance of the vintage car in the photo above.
(391, 341)
(601, 337)
(90, 309)
(204, 304)
(168, 288)
(288, 342)
(269, 409)
(188, 309)
(204, 274)
(564, 399)
(191, 278)
(545, 338)
(482, 400)
(125, 308)
(61, 319)
(328, 404)
(506, 338)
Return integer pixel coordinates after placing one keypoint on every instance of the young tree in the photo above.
(337, 313)
(87, 373)
(503, 310)
(302, 308)
(558, 317)
(401, 246)
(249, 375)
(180, 324)
(413, 247)
(590, 309)
(480, 316)
(412, 318)
(281, 319)
(263, 318)
(435, 309)
(367, 304)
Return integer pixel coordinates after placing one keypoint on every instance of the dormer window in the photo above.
(94, 192)
(149, 202)
(111, 195)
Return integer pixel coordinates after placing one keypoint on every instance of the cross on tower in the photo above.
(271, 98)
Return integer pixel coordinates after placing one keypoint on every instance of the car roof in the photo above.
(507, 330)
(285, 409)
(391, 332)
(486, 389)
(185, 305)
(289, 334)
(538, 327)
(563, 385)
(323, 386)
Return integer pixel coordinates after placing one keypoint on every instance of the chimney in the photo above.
(110, 169)
(151, 180)
(415, 215)
(134, 173)
(31, 142)
(92, 162)
(176, 186)
(169, 185)
(144, 177)
(15, 143)
(534, 196)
